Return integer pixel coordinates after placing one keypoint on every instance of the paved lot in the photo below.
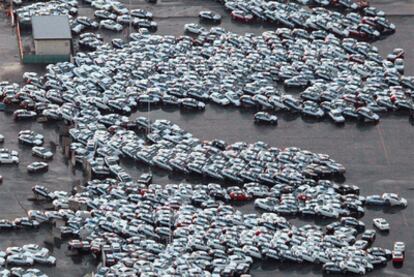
(378, 158)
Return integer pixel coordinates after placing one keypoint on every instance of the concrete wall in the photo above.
(52, 47)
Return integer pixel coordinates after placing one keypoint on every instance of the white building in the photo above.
(52, 35)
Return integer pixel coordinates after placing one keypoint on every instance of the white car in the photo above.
(24, 114)
(219, 98)
(393, 199)
(37, 215)
(1, 138)
(399, 65)
(6, 158)
(268, 204)
(119, 8)
(17, 271)
(42, 152)
(30, 139)
(326, 211)
(399, 246)
(19, 259)
(307, 255)
(336, 116)
(320, 257)
(37, 167)
(367, 115)
(209, 15)
(252, 251)
(34, 272)
(35, 249)
(312, 109)
(194, 28)
(233, 98)
(352, 267)
(381, 224)
(264, 117)
(111, 25)
(191, 103)
(43, 259)
(14, 250)
(4, 272)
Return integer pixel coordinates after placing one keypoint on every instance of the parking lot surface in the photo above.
(379, 158)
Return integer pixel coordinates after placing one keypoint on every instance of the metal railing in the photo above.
(44, 59)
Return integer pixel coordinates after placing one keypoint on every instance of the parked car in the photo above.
(381, 224)
(37, 167)
(210, 16)
(264, 117)
(42, 152)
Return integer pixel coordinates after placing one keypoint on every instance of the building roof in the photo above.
(51, 27)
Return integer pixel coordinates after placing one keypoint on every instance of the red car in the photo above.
(355, 33)
(362, 4)
(241, 16)
(303, 197)
(27, 104)
(357, 58)
(397, 257)
(239, 196)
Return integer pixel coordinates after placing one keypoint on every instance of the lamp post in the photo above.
(130, 18)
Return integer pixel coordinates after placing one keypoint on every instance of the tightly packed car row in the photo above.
(343, 79)
(114, 16)
(171, 230)
(21, 272)
(115, 20)
(352, 20)
(172, 149)
(27, 255)
(55, 7)
(110, 15)
(265, 171)
(184, 228)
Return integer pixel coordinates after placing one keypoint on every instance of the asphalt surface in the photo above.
(379, 158)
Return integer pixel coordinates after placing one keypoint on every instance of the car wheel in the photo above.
(328, 272)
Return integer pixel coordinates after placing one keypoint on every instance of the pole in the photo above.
(130, 18)
(149, 128)
(171, 219)
(148, 114)
(11, 10)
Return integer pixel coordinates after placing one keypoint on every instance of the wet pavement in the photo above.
(379, 158)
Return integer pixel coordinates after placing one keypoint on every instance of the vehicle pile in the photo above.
(343, 79)
(19, 271)
(181, 229)
(114, 16)
(176, 229)
(110, 15)
(56, 7)
(357, 20)
(137, 228)
(90, 41)
(173, 149)
(27, 255)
